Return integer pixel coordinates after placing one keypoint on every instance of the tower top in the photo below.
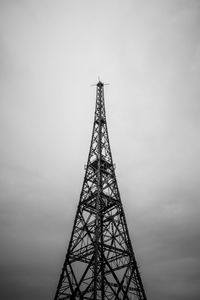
(100, 84)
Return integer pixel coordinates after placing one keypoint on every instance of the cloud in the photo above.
(50, 54)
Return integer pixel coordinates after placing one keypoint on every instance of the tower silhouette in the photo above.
(100, 262)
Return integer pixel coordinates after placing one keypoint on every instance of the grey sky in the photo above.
(51, 51)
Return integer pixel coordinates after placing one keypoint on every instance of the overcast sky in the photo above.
(51, 52)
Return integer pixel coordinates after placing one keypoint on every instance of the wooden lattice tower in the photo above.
(100, 262)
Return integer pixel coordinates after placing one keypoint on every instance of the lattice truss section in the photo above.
(100, 263)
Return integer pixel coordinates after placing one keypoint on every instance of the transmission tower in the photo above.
(100, 262)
